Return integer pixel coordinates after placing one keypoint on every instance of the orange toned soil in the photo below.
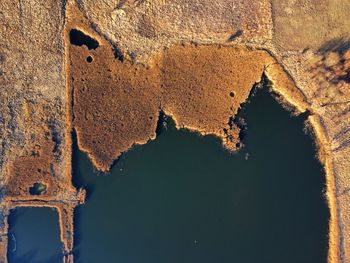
(204, 86)
(25, 171)
(34, 129)
(116, 104)
(40, 167)
(200, 87)
(282, 84)
(42, 160)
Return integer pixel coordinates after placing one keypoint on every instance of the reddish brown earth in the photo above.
(198, 64)
(116, 103)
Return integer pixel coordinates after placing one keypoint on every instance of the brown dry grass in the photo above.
(116, 104)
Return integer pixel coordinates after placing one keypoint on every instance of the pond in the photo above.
(34, 236)
(184, 198)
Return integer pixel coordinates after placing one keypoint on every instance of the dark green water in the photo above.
(182, 198)
(34, 236)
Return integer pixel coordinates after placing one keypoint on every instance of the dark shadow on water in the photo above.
(81, 163)
(162, 123)
(183, 198)
(77, 236)
(77, 157)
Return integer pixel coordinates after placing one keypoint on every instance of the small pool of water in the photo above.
(183, 198)
(34, 236)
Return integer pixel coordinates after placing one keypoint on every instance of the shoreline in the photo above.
(290, 80)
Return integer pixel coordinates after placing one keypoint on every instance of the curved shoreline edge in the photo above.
(40, 101)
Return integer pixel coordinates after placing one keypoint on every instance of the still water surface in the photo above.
(34, 236)
(182, 198)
